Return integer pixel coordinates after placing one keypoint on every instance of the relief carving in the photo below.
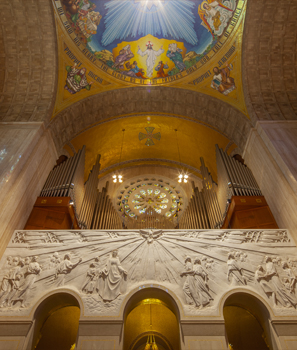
(235, 272)
(114, 276)
(195, 288)
(282, 294)
(104, 265)
(64, 268)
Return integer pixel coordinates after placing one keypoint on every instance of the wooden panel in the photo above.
(249, 213)
(52, 213)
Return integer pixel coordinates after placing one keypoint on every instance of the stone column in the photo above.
(27, 154)
(271, 154)
(99, 335)
(203, 335)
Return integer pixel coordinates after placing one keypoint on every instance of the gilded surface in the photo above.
(106, 139)
(195, 46)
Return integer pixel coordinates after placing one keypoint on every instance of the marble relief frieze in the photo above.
(104, 267)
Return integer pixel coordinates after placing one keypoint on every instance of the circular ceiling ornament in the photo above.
(161, 195)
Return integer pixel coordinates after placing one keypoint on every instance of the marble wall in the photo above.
(271, 154)
(103, 271)
(27, 154)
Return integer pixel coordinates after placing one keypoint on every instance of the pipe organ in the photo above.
(209, 192)
(235, 201)
(149, 220)
(67, 202)
(195, 216)
(67, 180)
(105, 216)
(234, 179)
(85, 215)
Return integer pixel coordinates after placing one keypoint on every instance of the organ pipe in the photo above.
(234, 179)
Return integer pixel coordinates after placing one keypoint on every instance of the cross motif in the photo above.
(149, 136)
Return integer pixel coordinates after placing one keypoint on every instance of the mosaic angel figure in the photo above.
(216, 14)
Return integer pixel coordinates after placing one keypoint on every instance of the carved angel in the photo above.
(210, 13)
(151, 235)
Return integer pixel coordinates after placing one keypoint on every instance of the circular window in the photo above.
(137, 197)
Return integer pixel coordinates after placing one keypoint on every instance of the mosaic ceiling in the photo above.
(107, 45)
(191, 141)
(114, 44)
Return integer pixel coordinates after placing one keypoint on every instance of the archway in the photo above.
(56, 323)
(247, 323)
(151, 317)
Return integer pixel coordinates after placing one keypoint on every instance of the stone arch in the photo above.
(63, 303)
(139, 301)
(136, 101)
(29, 64)
(243, 311)
(269, 68)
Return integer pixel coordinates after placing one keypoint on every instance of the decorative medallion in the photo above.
(149, 136)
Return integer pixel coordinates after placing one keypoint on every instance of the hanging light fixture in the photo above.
(151, 341)
(183, 176)
(118, 177)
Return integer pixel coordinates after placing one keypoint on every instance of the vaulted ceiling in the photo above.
(29, 70)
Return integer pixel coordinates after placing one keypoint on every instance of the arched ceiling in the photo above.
(28, 60)
(29, 78)
(145, 101)
(29, 70)
(269, 59)
(186, 145)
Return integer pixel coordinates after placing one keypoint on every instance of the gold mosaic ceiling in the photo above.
(193, 139)
(191, 45)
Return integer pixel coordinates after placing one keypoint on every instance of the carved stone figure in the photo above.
(8, 282)
(8, 261)
(54, 261)
(189, 287)
(114, 275)
(90, 282)
(98, 275)
(201, 278)
(260, 277)
(150, 235)
(234, 271)
(64, 268)
(24, 288)
(16, 276)
(291, 276)
(280, 295)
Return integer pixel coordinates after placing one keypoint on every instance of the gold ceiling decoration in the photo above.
(149, 136)
(195, 140)
(98, 54)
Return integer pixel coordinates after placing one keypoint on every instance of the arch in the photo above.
(58, 305)
(160, 339)
(245, 314)
(137, 101)
(149, 303)
(28, 77)
(269, 95)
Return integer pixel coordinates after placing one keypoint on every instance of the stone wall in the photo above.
(28, 155)
(198, 270)
(271, 155)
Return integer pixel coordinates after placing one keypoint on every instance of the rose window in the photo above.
(135, 199)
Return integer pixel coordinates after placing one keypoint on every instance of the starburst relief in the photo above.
(149, 3)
